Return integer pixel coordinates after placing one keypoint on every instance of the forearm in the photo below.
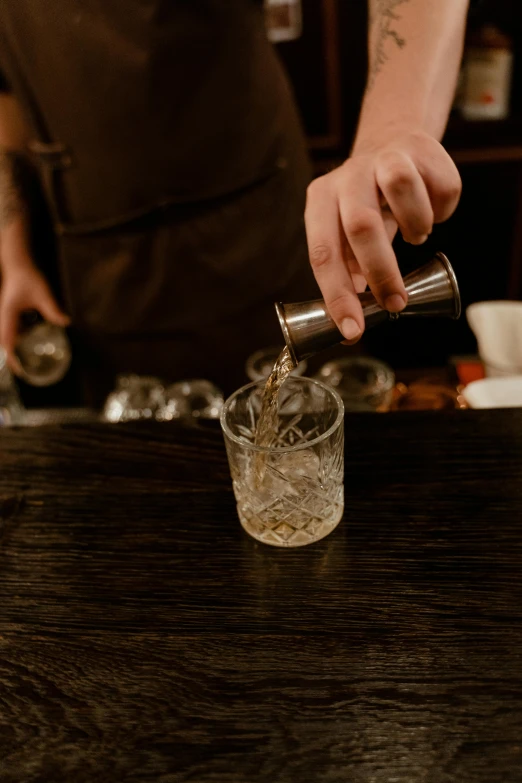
(13, 217)
(415, 50)
(23, 287)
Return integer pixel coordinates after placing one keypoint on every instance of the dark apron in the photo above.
(175, 168)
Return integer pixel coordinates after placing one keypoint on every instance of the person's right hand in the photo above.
(402, 179)
(24, 288)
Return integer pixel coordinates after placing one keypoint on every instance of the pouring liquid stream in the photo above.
(266, 425)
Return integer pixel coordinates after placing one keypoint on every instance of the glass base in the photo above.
(283, 535)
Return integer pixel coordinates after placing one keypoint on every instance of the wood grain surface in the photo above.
(145, 637)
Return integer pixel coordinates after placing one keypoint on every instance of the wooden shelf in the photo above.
(467, 142)
(473, 155)
(484, 142)
(462, 157)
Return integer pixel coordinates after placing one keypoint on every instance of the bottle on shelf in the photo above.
(486, 75)
(283, 19)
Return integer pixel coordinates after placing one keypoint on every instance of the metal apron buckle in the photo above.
(52, 154)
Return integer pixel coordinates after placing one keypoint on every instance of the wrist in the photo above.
(15, 253)
(369, 140)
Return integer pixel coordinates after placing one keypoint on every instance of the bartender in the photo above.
(175, 169)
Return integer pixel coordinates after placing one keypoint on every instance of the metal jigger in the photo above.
(432, 291)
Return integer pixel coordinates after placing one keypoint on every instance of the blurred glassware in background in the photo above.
(260, 364)
(135, 397)
(497, 326)
(364, 383)
(189, 400)
(11, 408)
(44, 354)
(143, 397)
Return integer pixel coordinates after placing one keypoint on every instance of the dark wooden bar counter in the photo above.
(145, 637)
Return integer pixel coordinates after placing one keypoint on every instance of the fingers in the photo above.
(390, 224)
(440, 175)
(406, 196)
(47, 306)
(21, 292)
(444, 186)
(367, 235)
(9, 319)
(353, 213)
(328, 258)
(358, 279)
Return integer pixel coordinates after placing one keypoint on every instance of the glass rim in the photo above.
(270, 449)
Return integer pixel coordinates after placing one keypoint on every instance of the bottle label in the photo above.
(283, 19)
(487, 83)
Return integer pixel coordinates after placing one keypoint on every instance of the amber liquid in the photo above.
(266, 425)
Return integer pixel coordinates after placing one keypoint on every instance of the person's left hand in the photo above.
(407, 181)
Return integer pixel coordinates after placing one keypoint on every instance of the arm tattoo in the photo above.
(11, 177)
(383, 19)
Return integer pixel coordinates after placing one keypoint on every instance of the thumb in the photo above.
(49, 309)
